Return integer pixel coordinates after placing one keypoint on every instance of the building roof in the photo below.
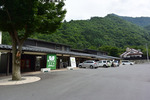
(131, 52)
(95, 50)
(48, 50)
(48, 42)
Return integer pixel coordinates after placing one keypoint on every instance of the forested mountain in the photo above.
(147, 27)
(98, 32)
(141, 21)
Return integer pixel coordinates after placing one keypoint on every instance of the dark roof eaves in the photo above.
(47, 42)
(48, 50)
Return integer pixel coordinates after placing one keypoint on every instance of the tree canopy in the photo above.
(31, 16)
(22, 18)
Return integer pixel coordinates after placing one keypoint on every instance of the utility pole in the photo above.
(147, 52)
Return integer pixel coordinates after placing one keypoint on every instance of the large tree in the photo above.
(22, 18)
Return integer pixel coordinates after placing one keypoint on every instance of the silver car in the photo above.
(104, 63)
(89, 64)
(127, 62)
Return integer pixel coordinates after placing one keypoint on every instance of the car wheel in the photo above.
(91, 67)
(104, 66)
(80, 66)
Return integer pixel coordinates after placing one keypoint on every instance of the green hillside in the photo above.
(110, 30)
(141, 21)
(98, 32)
(147, 27)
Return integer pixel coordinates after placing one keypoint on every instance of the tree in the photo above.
(114, 51)
(22, 18)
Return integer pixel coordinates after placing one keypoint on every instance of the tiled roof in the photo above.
(48, 50)
(47, 42)
(131, 52)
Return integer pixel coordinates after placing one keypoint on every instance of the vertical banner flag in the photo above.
(73, 61)
(51, 61)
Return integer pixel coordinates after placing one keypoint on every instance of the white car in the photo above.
(88, 64)
(127, 62)
(116, 63)
(104, 63)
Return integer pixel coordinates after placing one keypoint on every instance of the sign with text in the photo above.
(73, 61)
(51, 61)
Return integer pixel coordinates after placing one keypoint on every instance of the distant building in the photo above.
(131, 53)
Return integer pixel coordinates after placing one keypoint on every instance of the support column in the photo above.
(0, 37)
(8, 61)
(69, 61)
(61, 62)
(0, 43)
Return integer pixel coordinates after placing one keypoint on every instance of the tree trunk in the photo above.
(17, 43)
(16, 60)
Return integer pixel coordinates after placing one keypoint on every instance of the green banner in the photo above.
(51, 61)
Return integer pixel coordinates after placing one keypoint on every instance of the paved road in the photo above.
(120, 83)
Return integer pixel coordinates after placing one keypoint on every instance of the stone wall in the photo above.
(140, 61)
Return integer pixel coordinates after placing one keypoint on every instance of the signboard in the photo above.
(73, 61)
(51, 61)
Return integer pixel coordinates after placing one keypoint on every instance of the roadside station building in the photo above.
(38, 54)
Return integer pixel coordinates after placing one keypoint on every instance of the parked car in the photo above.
(127, 62)
(116, 63)
(104, 63)
(89, 64)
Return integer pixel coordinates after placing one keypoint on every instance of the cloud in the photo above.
(84, 9)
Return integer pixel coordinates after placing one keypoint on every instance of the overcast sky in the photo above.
(84, 9)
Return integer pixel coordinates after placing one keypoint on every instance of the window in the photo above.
(57, 47)
(104, 61)
(89, 61)
(100, 61)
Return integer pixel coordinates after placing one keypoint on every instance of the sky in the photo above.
(85, 9)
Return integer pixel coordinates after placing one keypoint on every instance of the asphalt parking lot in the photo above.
(118, 83)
